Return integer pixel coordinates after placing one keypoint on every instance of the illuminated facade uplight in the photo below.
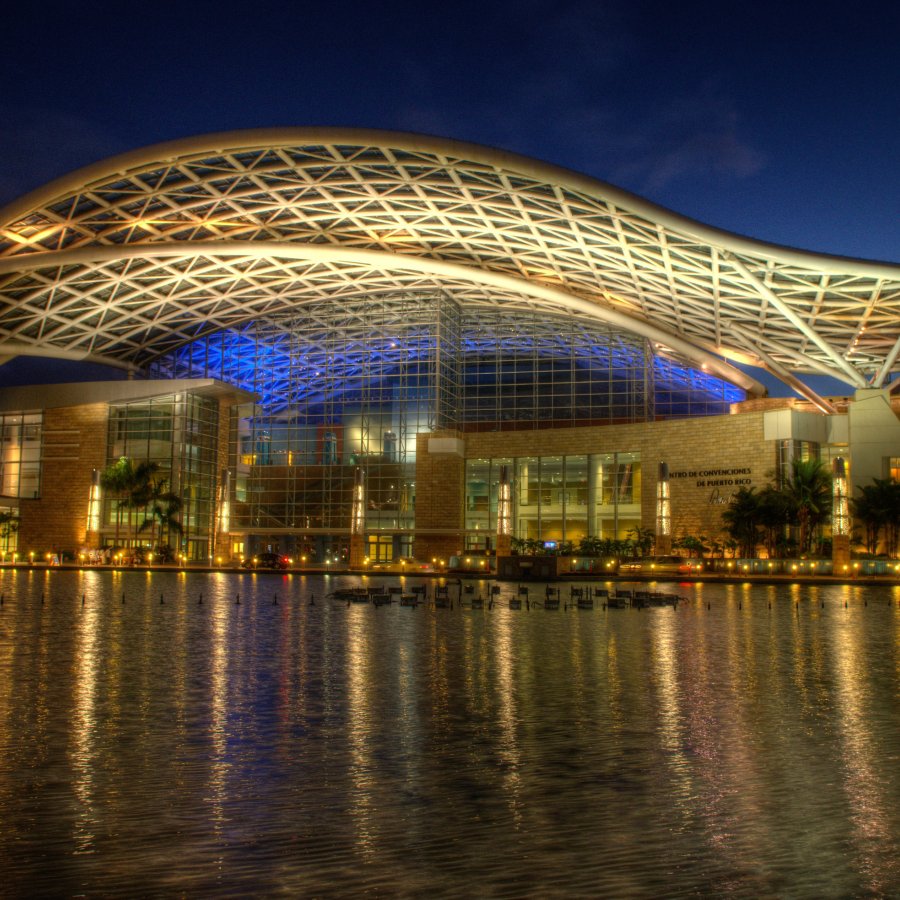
(93, 515)
(224, 524)
(504, 504)
(358, 513)
(663, 502)
(840, 507)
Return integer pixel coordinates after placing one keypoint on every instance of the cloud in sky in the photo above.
(569, 86)
(692, 135)
(570, 109)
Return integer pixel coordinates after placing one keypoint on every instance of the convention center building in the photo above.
(357, 345)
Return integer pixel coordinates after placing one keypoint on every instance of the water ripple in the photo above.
(744, 745)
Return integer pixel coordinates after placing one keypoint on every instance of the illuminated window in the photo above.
(894, 468)
(20, 454)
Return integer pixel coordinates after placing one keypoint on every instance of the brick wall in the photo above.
(439, 500)
(74, 445)
(710, 447)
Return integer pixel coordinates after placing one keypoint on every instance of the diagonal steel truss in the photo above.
(132, 258)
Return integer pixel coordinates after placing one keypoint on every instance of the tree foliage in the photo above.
(877, 509)
(741, 520)
(809, 490)
(764, 517)
(136, 487)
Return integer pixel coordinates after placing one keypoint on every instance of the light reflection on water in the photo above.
(744, 745)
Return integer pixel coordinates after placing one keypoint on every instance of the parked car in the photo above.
(661, 565)
(266, 561)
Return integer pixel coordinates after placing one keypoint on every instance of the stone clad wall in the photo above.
(708, 457)
(74, 444)
(440, 499)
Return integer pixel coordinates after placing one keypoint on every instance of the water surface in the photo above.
(158, 736)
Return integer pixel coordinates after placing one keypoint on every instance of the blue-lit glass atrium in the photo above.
(350, 387)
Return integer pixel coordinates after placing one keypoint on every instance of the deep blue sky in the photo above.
(779, 121)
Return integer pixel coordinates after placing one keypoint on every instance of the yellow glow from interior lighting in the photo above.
(358, 511)
(31, 238)
(395, 236)
(504, 509)
(178, 223)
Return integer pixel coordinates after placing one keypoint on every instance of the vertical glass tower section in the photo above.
(178, 433)
(342, 387)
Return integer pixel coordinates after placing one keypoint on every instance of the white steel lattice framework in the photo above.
(129, 259)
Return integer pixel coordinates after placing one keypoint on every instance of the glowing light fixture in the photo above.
(358, 513)
(840, 501)
(504, 504)
(663, 502)
(224, 503)
(93, 514)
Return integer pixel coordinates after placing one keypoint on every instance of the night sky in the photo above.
(778, 121)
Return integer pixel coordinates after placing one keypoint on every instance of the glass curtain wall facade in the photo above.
(347, 385)
(178, 433)
(21, 442)
(341, 390)
(556, 498)
(20, 454)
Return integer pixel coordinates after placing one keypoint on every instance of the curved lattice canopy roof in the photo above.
(131, 258)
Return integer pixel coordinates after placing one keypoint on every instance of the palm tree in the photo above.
(130, 486)
(775, 511)
(877, 507)
(116, 479)
(161, 508)
(641, 540)
(693, 544)
(741, 520)
(809, 489)
(9, 525)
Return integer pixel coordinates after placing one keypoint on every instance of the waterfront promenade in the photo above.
(729, 576)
